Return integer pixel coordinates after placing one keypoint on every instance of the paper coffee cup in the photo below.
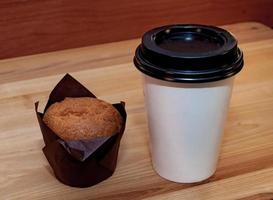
(188, 73)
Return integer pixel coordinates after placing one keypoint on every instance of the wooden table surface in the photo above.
(245, 169)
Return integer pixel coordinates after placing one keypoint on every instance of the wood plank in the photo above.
(35, 26)
(244, 187)
(101, 55)
(245, 167)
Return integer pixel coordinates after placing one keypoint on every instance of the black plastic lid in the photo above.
(188, 53)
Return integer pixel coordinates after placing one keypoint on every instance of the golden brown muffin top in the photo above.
(82, 118)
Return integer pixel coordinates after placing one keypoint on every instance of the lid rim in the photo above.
(187, 76)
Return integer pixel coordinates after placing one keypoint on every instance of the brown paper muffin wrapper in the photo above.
(79, 163)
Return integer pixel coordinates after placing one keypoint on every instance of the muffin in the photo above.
(81, 133)
(83, 118)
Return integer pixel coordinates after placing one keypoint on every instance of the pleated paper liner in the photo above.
(79, 163)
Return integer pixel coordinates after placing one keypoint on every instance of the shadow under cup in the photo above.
(188, 73)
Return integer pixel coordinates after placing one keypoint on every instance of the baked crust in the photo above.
(82, 118)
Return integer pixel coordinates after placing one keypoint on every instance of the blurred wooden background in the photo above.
(35, 26)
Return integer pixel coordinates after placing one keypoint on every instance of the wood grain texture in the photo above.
(247, 186)
(245, 169)
(101, 55)
(35, 26)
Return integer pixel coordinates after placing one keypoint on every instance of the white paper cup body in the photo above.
(186, 122)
